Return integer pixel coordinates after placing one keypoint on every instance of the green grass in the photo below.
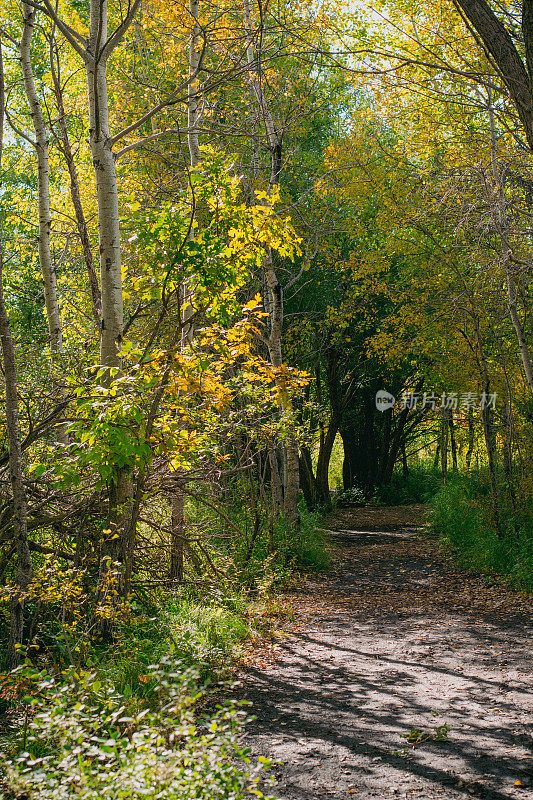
(272, 562)
(208, 625)
(461, 516)
(208, 632)
(306, 550)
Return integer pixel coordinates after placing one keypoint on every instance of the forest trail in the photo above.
(394, 639)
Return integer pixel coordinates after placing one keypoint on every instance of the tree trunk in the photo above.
(507, 431)
(436, 460)
(470, 450)
(275, 481)
(385, 447)
(81, 223)
(16, 473)
(499, 43)
(453, 441)
(177, 544)
(499, 214)
(324, 458)
(107, 192)
(43, 170)
(490, 446)
(396, 443)
(115, 551)
(192, 89)
(405, 466)
(444, 446)
(41, 144)
(307, 478)
(275, 299)
(195, 156)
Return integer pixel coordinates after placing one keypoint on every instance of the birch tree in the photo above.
(40, 143)
(75, 193)
(95, 51)
(274, 302)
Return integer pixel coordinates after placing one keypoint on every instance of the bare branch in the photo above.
(118, 34)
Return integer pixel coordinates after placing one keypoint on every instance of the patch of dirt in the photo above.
(401, 677)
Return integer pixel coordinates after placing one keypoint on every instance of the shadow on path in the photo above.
(396, 640)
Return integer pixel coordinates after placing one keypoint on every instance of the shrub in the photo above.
(419, 487)
(350, 497)
(87, 739)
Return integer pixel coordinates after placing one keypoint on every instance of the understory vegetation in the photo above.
(462, 517)
(256, 261)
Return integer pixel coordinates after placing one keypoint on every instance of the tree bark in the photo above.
(396, 443)
(324, 458)
(507, 431)
(499, 215)
(192, 89)
(276, 488)
(106, 187)
(436, 460)
(41, 145)
(307, 478)
(384, 455)
(470, 450)
(444, 446)
(503, 53)
(43, 171)
(405, 465)
(490, 446)
(453, 441)
(81, 223)
(16, 472)
(195, 156)
(275, 291)
(115, 555)
(108, 217)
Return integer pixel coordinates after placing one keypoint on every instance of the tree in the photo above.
(20, 528)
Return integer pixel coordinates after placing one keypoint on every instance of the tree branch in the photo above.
(75, 39)
(497, 40)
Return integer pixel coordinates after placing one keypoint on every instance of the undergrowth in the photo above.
(419, 486)
(86, 738)
(462, 517)
(89, 720)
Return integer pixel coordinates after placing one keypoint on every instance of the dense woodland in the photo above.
(224, 229)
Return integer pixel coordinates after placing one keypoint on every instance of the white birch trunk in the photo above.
(75, 194)
(275, 299)
(195, 155)
(41, 144)
(193, 99)
(106, 188)
(43, 171)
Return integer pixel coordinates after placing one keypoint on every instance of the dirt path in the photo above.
(395, 639)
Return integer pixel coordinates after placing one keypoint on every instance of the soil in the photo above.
(401, 676)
